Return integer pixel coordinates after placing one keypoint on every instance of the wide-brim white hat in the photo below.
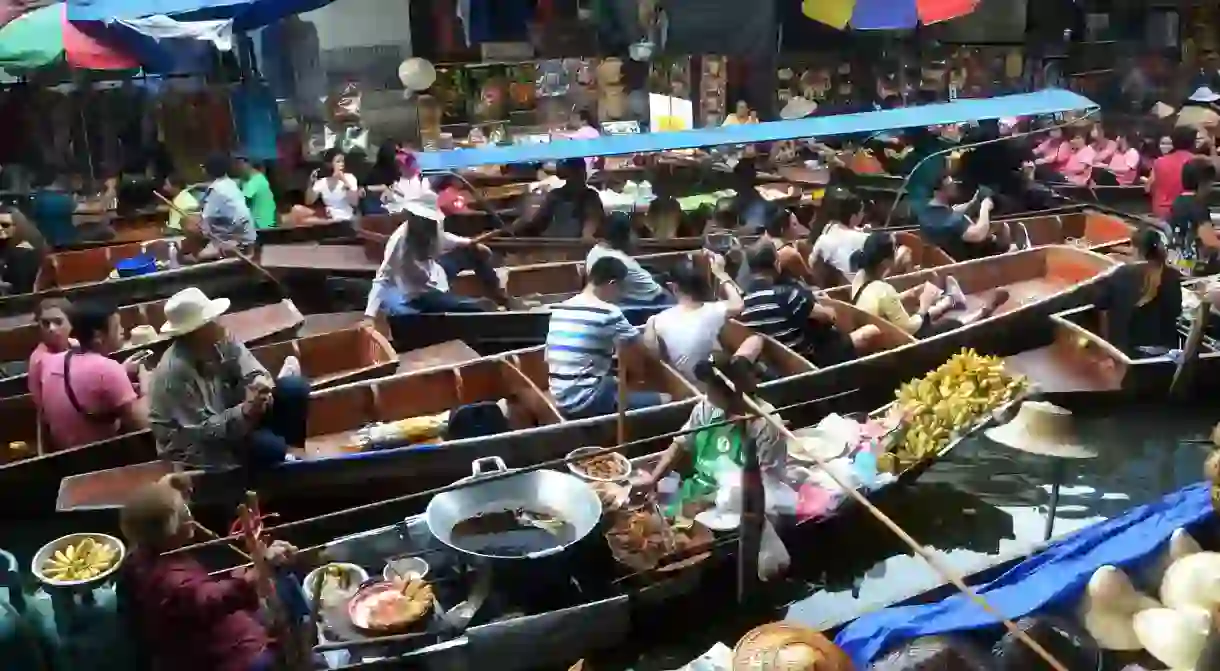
(1204, 94)
(190, 309)
(798, 107)
(1044, 429)
(424, 209)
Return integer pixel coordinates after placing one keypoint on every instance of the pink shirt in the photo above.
(1079, 168)
(101, 386)
(40, 354)
(1167, 180)
(1105, 151)
(1125, 165)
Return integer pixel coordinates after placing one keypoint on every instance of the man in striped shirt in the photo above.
(580, 346)
(789, 313)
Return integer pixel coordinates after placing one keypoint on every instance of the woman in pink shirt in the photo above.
(1103, 146)
(54, 336)
(1079, 167)
(1051, 155)
(84, 395)
(1122, 167)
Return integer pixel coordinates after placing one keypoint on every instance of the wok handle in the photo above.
(547, 552)
(477, 466)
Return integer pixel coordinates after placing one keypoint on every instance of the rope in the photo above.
(949, 150)
(506, 474)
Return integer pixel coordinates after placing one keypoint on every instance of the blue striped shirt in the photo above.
(580, 348)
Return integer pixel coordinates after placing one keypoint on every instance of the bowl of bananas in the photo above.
(77, 560)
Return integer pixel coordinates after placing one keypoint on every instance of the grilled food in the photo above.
(609, 466)
(80, 561)
(400, 607)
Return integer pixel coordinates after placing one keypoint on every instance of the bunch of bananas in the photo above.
(80, 561)
(949, 400)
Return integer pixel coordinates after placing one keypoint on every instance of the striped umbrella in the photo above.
(43, 36)
(884, 14)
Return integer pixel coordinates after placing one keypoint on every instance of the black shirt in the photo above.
(1187, 213)
(1153, 324)
(565, 210)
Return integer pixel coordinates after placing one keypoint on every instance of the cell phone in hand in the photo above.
(719, 242)
(140, 356)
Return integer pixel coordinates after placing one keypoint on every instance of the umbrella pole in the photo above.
(1058, 473)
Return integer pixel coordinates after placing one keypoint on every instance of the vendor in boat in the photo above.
(950, 227)
(843, 234)
(872, 294)
(639, 288)
(785, 232)
(420, 257)
(1191, 220)
(1141, 302)
(181, 616)
(580, 346)
(225, 223)
(792, 315)
(84, 396)
(257, 190)
(21, 251)
(54, 336)
(573, 210)
(689, 332)
(213, 405)
(707, 446)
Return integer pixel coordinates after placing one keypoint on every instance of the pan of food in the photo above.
(609, 467)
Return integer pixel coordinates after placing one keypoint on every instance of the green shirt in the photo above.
(258, 195)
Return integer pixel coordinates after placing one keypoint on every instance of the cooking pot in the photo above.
(543, 491)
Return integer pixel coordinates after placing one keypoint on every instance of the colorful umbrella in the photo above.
(44, 36)
(884, 14)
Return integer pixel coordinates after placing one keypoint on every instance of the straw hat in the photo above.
(781, 645)
(1204, 94)
(1110, 602)
(1175, 637)
(1041, 428)
(190, 309)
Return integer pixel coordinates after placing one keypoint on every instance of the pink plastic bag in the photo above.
(813, 501)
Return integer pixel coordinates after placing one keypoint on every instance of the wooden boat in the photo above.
(150, 226)
(87, 274)
(1133, 197)
(29, 478)
(254, 326)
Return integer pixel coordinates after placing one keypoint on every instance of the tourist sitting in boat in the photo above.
(213, 405)
(84, 395)
(257, 191)
(573, 210)
(950, 227)
(1191, 221)
(1165, 182)
(1142, 302)
(784, 232)
(54, 336)
(843, 234)
(420, 257)
(21, 251)
(792, 315)
(1079, 168)
(175, 188)
(639, 288)
(1051, 155)
(53, 209)
(707, 446)
(335, 187)
(689, 332)
(580, 346)
(384, 174)
(225, 222)
(181, 616)
(872, 294)
(1123, 166)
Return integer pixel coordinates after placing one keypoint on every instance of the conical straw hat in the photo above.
(1041, 428)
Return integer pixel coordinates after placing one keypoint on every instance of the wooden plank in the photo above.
(448, 353)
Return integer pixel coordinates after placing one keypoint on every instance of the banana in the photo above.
(80, 561)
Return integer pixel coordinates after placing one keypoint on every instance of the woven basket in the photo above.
(758, 649)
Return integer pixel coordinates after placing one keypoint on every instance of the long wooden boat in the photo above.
(1131, 197)
(29, 477)
(254, 326)
(147, 227)
(88, 274)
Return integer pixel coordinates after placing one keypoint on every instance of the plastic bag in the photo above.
(780, 498)
(773, 557)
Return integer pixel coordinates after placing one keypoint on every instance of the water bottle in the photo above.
(173, 254)
(865, 465)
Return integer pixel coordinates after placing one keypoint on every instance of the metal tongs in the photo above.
(547, 524)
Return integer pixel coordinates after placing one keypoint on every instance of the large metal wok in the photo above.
(543, 491)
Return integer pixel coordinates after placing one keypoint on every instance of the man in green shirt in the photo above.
(257, 190)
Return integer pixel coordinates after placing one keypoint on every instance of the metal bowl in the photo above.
(45, 553)
(405, 566)
(310, 584)
(359, 606)
(623, 462)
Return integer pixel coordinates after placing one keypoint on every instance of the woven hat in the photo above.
(190, 309)
(1044, 429)
(1204, 94)
(790, 647)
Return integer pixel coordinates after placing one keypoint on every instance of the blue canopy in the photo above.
(245, 14)
(1049, 101)
(1054, 577)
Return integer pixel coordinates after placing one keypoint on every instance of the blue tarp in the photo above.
(1049, 101)
(246, 14)
(1054, 577)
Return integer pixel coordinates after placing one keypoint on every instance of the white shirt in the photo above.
(394, 273)
(639, 286)
(690, 336)
(835, 246)
(338, 207)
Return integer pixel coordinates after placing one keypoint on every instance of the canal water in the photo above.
(981, 505)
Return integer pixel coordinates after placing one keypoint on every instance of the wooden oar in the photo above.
(945, 572)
